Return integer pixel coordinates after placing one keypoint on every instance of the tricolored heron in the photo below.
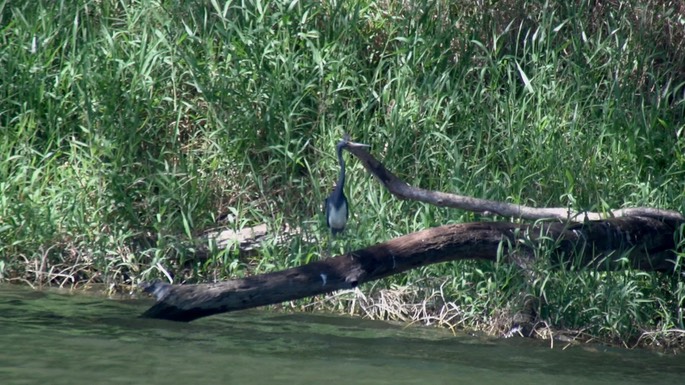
(336, 204)
(336, 207)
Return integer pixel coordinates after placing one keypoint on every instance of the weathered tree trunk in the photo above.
(647, 242)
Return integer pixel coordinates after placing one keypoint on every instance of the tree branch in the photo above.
(402, 190)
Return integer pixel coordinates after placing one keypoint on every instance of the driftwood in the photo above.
(642, 238)
(245, 241)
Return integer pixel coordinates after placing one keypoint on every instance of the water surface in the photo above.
(52, 338)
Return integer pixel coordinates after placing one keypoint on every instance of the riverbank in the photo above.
(130, 129)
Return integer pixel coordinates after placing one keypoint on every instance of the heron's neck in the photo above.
(341, 177)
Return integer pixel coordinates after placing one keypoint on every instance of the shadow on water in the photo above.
(55, 338)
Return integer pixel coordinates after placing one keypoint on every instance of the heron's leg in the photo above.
(340, 242)
(330, 244)
(333, 243)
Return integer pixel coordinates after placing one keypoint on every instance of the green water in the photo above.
(52, 338)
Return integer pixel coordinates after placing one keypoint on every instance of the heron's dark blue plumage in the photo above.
(336, 204)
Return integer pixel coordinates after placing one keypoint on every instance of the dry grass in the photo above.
(412, 305)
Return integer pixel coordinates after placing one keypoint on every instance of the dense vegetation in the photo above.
(128, 128)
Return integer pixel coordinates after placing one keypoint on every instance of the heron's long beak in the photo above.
(345, 142)
(355, 144)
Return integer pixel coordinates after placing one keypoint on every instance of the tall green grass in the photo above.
(128, 128)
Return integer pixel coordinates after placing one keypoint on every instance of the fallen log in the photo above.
(645, 242)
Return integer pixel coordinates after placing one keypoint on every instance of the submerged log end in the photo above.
(166, 307)
(157, 289)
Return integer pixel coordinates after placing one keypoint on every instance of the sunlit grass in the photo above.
(128, 128)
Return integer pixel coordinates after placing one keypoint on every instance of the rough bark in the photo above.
(646, 242)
